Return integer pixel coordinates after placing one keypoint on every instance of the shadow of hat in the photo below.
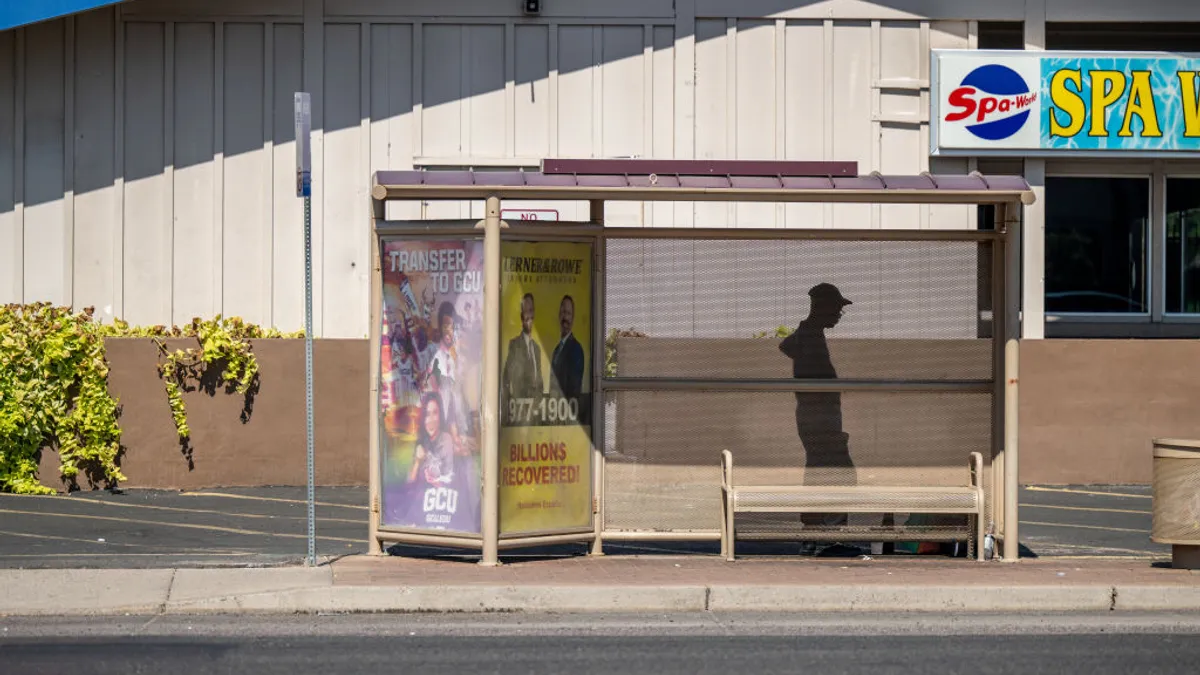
(827, 292)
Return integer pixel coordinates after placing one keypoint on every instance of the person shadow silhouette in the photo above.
(819, 414)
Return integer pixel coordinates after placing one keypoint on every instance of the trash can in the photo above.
(1177, 500)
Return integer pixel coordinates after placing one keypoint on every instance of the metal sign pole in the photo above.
(303, 117)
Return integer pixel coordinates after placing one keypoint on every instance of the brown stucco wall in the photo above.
(269, 448)
(1089, 408)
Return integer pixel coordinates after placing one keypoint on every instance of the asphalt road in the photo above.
(267, 526)
(435, 644)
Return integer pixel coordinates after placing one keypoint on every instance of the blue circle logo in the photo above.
(993, 100)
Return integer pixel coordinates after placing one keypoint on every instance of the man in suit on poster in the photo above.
(566, 364)
(522, 377)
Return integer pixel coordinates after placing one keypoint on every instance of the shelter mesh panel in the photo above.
(662, 449)
(699, 309)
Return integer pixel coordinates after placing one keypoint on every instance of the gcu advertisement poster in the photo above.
(1052, 102)
(430, 384)
(545, 386)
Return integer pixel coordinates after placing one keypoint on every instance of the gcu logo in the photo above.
(441, 499)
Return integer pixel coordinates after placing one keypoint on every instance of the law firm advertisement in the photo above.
(545, 395)
(1064, 103)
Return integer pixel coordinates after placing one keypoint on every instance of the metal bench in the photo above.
(797, 499)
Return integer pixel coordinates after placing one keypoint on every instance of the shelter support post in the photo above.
(1012, 353)
(999, 272)
(374, 547)
(596, 216)
(491, 383)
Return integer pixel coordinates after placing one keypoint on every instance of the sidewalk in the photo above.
(613, 583)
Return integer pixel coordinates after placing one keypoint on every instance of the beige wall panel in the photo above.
(287, 263)
(10, 228)
(531, 92)
(576, 104)
(196, 220)
(756, 110)
(485, 91)
(444, 117)
(246, 252)
(582, 9)
(622, 107)
(662, 123)
(900, 55)
(97, 230)
(949, 35)
(46, 239)
(147, 227)
(805, 105)
(215, 8)
(713, 109)
(442, 91)
(344, 269)
(578, 52)
(852, 129)
(392, 106)
(1010, 10)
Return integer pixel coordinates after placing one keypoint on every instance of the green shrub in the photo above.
(54, 393)
(54, 386)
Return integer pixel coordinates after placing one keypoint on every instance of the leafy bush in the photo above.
(54, 386)
(777, 332)
(54, 392)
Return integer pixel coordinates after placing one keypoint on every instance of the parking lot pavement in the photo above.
(267, 526)
(1095, 521)
(159, 528)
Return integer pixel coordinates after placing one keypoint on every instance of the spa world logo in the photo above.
(993, 102)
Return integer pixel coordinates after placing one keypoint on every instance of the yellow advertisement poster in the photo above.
(545, 386)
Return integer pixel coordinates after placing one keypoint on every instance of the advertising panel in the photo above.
(545, 386)
(1064, 103)
(430, 384)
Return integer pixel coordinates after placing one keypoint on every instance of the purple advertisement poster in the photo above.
(430, 384)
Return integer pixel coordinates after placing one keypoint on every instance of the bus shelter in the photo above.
(577, 380)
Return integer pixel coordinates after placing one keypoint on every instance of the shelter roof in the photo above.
(645, 180)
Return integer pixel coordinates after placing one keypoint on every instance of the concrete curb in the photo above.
(910, 598)
(474, 598)
(84, 591)
(309, 591)
(1157, 598)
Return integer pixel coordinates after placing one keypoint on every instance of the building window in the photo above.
(1176, 36)
(1001, 35)
(1182, 263)
(1097, 233)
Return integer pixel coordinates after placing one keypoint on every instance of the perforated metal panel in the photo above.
(662, 449)
(881, 502)
(1177, 500)
(682, 309)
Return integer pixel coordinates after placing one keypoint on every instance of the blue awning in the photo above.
(14, 13)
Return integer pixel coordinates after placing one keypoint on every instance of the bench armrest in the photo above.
(726, 469)
(976, 468)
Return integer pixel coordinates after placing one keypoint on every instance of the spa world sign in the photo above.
(1064, 103)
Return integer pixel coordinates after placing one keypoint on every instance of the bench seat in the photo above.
(790, 499)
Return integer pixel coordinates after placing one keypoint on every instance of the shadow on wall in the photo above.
(198, 132)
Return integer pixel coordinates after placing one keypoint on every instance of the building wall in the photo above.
(146, 155)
